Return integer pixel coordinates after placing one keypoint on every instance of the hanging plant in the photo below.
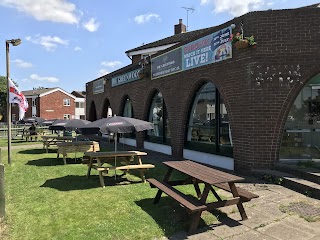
(241, 42)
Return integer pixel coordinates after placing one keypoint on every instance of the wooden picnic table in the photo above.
(74, 147)
(128, 160)
(53, 140)
(198, 173)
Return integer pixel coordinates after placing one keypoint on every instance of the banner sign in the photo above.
(166, 64)
(206, 50)
(125, 78)
(98, 86)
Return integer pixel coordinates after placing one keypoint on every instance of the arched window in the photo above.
(158, 116)
(301, 137)
(208, 128)
(127, 110)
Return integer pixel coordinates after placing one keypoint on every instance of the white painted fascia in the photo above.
(150, 50)
(55, 90)
(80, 100)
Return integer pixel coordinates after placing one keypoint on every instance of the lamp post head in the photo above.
(14, 42)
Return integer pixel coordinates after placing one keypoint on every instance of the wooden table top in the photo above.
(78, 143)
(57, 137)
(203, 173)
(115, 154)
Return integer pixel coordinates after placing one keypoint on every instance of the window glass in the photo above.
(301, 135)
(158, 116)
(208, 129)
(66, 102)
(66, 116)
(127, 111)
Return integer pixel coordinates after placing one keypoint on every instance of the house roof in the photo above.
(177, 38)
(45, 91)
(37, 91)
(79, 94)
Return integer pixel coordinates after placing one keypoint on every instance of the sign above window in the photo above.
(206, 50)
(98, 86)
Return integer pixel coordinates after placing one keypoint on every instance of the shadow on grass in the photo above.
(76, 182)
(37, 151)
(72, 182)
(175, 221)
(45, 162)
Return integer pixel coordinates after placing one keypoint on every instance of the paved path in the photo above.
(265, 220)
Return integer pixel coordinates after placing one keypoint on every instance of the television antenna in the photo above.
(188, 9)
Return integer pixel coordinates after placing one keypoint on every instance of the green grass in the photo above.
(48, 200)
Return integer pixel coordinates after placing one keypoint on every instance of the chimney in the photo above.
(179, 28)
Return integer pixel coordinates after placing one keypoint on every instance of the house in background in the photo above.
(80, 111)
(52, 103)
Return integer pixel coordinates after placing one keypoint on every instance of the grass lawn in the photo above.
(48, 200)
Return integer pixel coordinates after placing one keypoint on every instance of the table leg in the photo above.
(89, 166)
(196, 187)
(100, 173)
(64, 159)
(235, 193)
(166, 179)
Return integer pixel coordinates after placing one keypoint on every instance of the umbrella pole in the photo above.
(115, 158)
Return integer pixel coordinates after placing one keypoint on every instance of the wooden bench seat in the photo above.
(191, 205)
(245, 195)
(126, 167)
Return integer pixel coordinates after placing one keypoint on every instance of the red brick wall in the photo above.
(258, 85)
(54, 101)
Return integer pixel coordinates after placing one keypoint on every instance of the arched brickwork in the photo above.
(258, 85)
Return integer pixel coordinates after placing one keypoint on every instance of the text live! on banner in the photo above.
(206, 50)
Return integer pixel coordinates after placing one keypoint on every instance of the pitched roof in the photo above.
(177, 38)
(45, 91)
(37, 91)
(81, 94)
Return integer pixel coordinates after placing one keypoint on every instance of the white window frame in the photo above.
(66, 116)
(66, 102)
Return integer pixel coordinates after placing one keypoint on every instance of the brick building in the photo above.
(51, 103)
(243, 110)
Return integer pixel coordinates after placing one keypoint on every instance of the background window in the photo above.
(128, 112)
(158, 116)
(79, 104)
(208, 129)
(301, 136)
(66, 102)
(66, 116)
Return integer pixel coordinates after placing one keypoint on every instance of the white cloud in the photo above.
(144, 18)
(22, 64)
(48, 42)
(113, 64)
(235, 7)
(60, 11)
(103, 72)
(36, 77)
(77, 48)
(91, 25)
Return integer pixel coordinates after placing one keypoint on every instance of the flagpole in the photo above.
(14, 42)
(8, 103)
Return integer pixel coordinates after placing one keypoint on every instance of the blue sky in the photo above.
(66, 43)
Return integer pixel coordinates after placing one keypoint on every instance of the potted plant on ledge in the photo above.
(241, 42)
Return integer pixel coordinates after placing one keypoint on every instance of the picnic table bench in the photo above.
(197, 173)
(66, 148)
(128, 159)
(53, 140)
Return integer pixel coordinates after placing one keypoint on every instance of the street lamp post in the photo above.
(14, 42)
